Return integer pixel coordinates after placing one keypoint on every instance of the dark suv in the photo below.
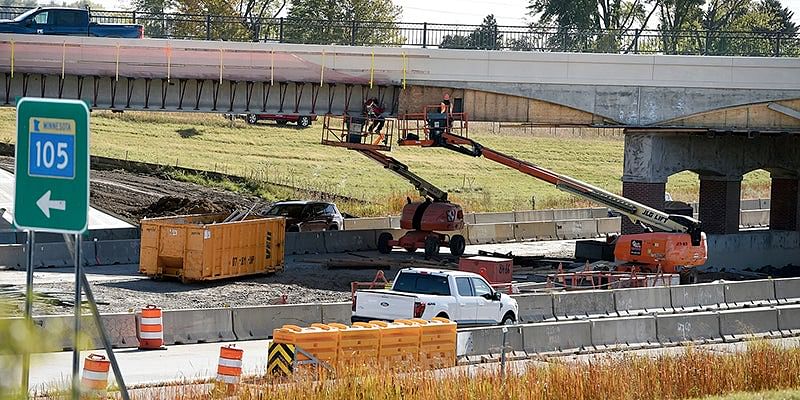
(305, 216)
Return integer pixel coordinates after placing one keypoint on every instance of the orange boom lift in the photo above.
(673, 243)
(427, 221)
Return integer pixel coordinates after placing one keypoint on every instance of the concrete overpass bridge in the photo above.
(742, 93)
(720, 117)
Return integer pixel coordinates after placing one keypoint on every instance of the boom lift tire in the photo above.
(432, 246)
(457, 245)
(383, 243)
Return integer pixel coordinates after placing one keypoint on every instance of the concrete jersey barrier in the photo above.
(704, 296)
(631, 331)
(563, 336)
(198, 326)
(692, 327)
(738, 324)
(642, 300)
(755, 292)
(251, 323)
(787, 290)
(588, 303)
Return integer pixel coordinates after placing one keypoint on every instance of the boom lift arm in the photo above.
(424, 187)
(648, 217)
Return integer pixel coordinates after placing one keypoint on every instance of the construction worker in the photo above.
(445, 107)
(375, 114)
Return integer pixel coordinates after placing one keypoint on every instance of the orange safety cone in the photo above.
(94, 379)
(229, 369)
(151, 330)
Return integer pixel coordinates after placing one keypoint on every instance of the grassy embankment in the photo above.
(270, 154)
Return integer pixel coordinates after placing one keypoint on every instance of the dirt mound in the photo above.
(170, 205)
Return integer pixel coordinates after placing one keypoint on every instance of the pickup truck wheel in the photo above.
(431, 246)
(508, 319)
(383, 243)
(252, 119)
(457, 245)
(304, 121)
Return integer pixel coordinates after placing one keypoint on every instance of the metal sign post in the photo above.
(52, 195)
(26, 356)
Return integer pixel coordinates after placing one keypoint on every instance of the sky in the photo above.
(468, 12)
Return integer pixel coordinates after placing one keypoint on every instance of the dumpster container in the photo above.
(203, 248)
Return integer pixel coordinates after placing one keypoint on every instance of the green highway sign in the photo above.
(51, 190)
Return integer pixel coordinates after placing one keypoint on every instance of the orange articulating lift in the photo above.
(674, 243)
(424, 220)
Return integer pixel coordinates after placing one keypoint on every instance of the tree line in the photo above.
(730, 27)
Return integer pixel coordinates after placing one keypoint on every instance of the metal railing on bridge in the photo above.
(424, 34)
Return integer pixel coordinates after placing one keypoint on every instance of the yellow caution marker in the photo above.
(116, 69)
(405, 68)
(322, 69)
(372, 69)
(12, 58)
(63, 58)
(280, 358)
(220, 66)
(168, 49)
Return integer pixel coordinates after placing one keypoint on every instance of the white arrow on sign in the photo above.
(45, 204)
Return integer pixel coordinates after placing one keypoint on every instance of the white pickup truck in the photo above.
(463, 297)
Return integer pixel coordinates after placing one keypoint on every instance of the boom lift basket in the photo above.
(353, 132)
(426, 128)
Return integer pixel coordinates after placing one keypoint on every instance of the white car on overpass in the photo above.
(463, 297)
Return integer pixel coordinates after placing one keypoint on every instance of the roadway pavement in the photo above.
(97, 218)
(175, 364)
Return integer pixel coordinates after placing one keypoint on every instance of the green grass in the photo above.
(769, 395)
(287, 156)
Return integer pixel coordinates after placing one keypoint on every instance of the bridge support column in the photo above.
(719, 203)
(648, 193)
(784, 214)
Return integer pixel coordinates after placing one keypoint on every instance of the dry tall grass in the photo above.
(694, 373)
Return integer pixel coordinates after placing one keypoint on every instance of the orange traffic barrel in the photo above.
(151, 330)
(229, 369)
(94, 379)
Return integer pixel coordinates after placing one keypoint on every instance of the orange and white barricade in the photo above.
(94, 379)
(229, 369)
(151, 329)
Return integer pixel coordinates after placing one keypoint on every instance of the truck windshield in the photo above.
(410, 282)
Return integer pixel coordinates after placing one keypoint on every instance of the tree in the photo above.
(18, 3)
(754, 28)
(485, 37)
(215, 19)
(597, 25)
(676, 18)
(342, 22)
(152, 15)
